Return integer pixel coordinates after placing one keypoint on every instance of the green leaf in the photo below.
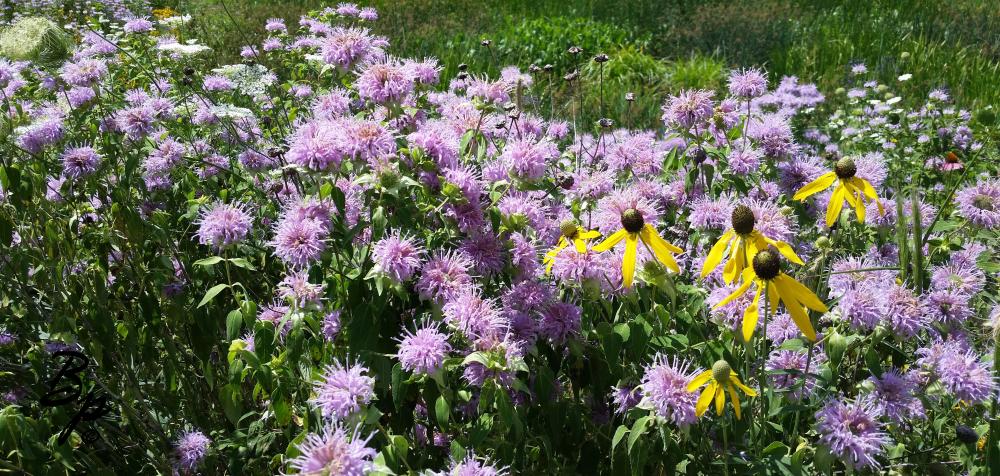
(442, 411)
(637, 430)
(619, 434)
(242, 263)
(776, 448)
(234, 321)
(208, 262)
(212, 293)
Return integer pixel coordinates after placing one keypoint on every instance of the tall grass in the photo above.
(955, 45)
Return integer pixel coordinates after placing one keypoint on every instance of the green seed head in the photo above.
(568, 229)
(743, 220)
(632, 220)
(766, 265)
(721, 371)
(845, 168)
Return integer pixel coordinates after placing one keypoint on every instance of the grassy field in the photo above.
(664, 45)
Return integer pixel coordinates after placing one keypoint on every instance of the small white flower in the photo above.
(175, 21)
(894, 100)
(905, 77)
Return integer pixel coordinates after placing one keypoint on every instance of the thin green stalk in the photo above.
(918, 255)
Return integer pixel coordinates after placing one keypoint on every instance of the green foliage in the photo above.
(546, 41)
(696, 72)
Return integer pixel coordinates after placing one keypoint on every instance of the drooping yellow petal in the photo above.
(751, 315)
(812, 188)
(802, 293)
(655, 235)
(716, 254)
(736, 381)
(628, 262)
(869, 191)
(836, 204)
(550, 256)
(853, 196)
(720, 399)
(699, 380)
(732, 270)
(773, 297)
(735, 294)
(797, 310)
(581, 246)
(610, 241)
(649, 236)
(589, 235)
(736, 400)
(705, 399)
(784, 248)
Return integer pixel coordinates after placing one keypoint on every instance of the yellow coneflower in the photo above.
(571, 233)
(743, 242)
(766, 273)
(635, 229)
(855, 190)
(721, 378)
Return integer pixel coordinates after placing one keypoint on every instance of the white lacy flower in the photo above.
(187, 49)
(175, 21)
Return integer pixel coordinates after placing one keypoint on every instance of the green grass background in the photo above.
(661, 46)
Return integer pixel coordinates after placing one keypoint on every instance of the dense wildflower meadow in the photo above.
(330, 260)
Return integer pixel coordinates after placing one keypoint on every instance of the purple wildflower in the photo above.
(397, 256)
(423, 351)
(852, 433)
(343, 390)
(980, 203)
(333, 451)
(748, 83)
(190, 448)
(223, 225)
(664, 389)
(299, 242)
(894, 396)
(444, 276)
(560, 321)
(80, 162)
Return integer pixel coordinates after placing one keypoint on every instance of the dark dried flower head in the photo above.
(575, 50)
(743, 220)
(601, 58)
(463, 67)
(630, 96)
(632, 220)
(486, 43)
(766, 265)
(606, 123)
(966, 435)
(548, 67)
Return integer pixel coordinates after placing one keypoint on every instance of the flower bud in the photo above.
(836, 345)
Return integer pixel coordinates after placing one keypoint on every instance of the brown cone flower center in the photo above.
(632, 220)
(743, 220)
(766, 265)
(845, 168)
